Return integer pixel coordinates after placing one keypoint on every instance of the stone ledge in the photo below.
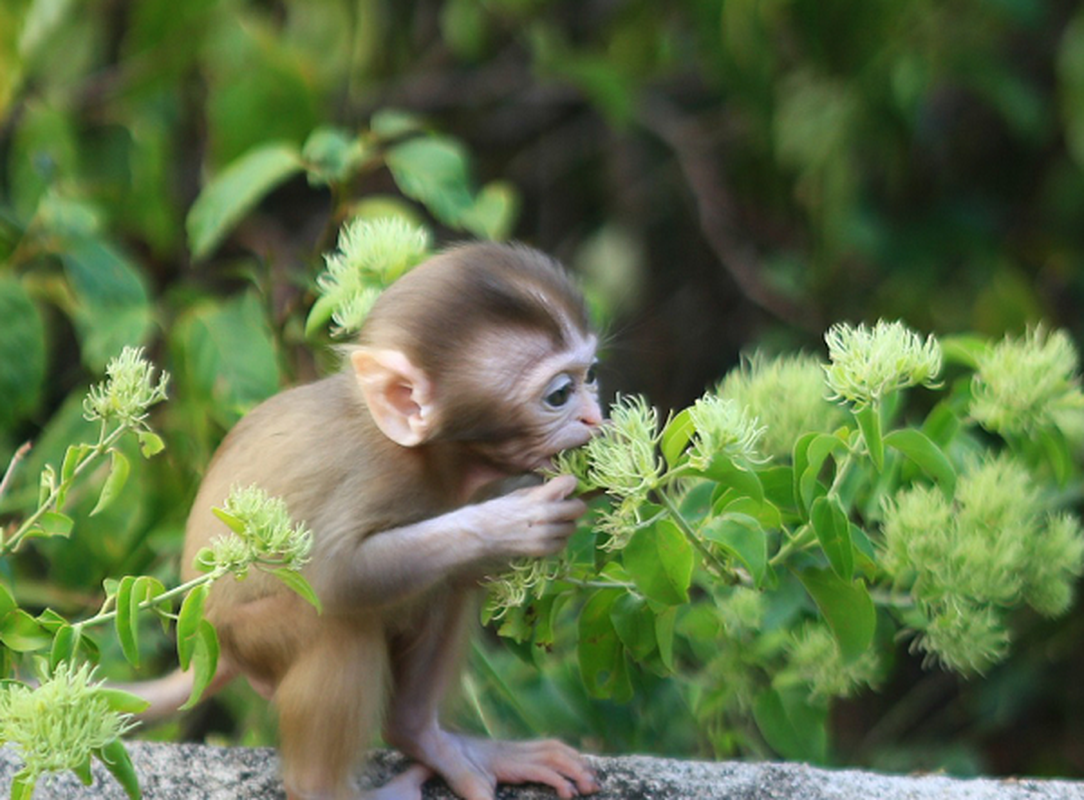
(196, 772)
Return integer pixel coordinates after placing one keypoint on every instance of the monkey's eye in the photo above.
(559, 392)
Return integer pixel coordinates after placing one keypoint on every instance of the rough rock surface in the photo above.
(195, 772)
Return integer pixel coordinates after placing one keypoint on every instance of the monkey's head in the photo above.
(487, 345)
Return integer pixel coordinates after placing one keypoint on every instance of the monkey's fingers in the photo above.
(556, 489)
(547, 762)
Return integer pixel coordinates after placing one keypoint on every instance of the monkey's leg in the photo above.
(423, 666)
(329, 702)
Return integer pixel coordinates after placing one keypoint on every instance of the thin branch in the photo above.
(688, 140)
(20, 454)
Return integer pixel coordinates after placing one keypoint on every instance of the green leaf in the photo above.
(22, 353)
(601, 653)
(676, 436)
(22, 633)
(743, 538)
(53, 523)
(434, 171)
(114, 482)
(232, 194)
(1056, 448)
(65, 644)
(846, 606)
(869, 422)
(928, 456)
(740, 477)
(188, 622)
(493, 214)
(1070, 63)
(131, 592)
(297, 583)
(234, 523)
(116, 760)
(332, 155)
(833, 530)
(665, 622)
(113, 305)
(122, 701)
(22, 786)
(812, 451)
(391, 123)
(634, 622)
(791, 725)
(227, 359)
(205, 662)
(7, 601)
(660, 562)
(150, 443)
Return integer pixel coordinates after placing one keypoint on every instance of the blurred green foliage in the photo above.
(722, 172)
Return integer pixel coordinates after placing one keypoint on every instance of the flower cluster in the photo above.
(370, 255)
(60, 724)
(814, 659)
(525, 577)
(127, 392)
(867, 364)
(788, 395)
(1025, 384)
(990, 548)
(723, 428)
(623, 458)
(263, 535)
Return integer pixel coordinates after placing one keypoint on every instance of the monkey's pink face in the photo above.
(557, 400)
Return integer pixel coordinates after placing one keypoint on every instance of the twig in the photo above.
(20, 454)
(688, 141)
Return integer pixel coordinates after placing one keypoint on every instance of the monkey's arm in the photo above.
(392, 566)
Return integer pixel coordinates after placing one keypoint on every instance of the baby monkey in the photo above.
(474, 367)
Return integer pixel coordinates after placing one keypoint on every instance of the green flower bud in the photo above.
(623, 458)
(371, 254)
(1026, 384)
(128, 390)
(59, 725)
(788, 395)
(262, 534)
(723, 428)
(868, 364)
(814, 659)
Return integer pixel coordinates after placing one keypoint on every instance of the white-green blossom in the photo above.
(867, 364)
(787, 393)
(526, 577)
(964, 636)
(128, 390)
(723, 428)
(623, 457)
(1025, 384)
(262, 533)
(60, 724)
(371, 253)
(814, 659)
(992, 547)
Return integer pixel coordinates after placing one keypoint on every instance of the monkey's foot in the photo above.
(473, 767)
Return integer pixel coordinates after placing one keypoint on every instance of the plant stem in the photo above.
(176, 591)
(105, 442)
(799, 540)
(20, 454)
(713, 563)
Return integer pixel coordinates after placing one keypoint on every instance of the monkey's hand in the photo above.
(532, 522)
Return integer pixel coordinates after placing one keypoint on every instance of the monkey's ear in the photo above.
(398, 394)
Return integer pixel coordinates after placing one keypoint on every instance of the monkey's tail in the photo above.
(167, 694)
